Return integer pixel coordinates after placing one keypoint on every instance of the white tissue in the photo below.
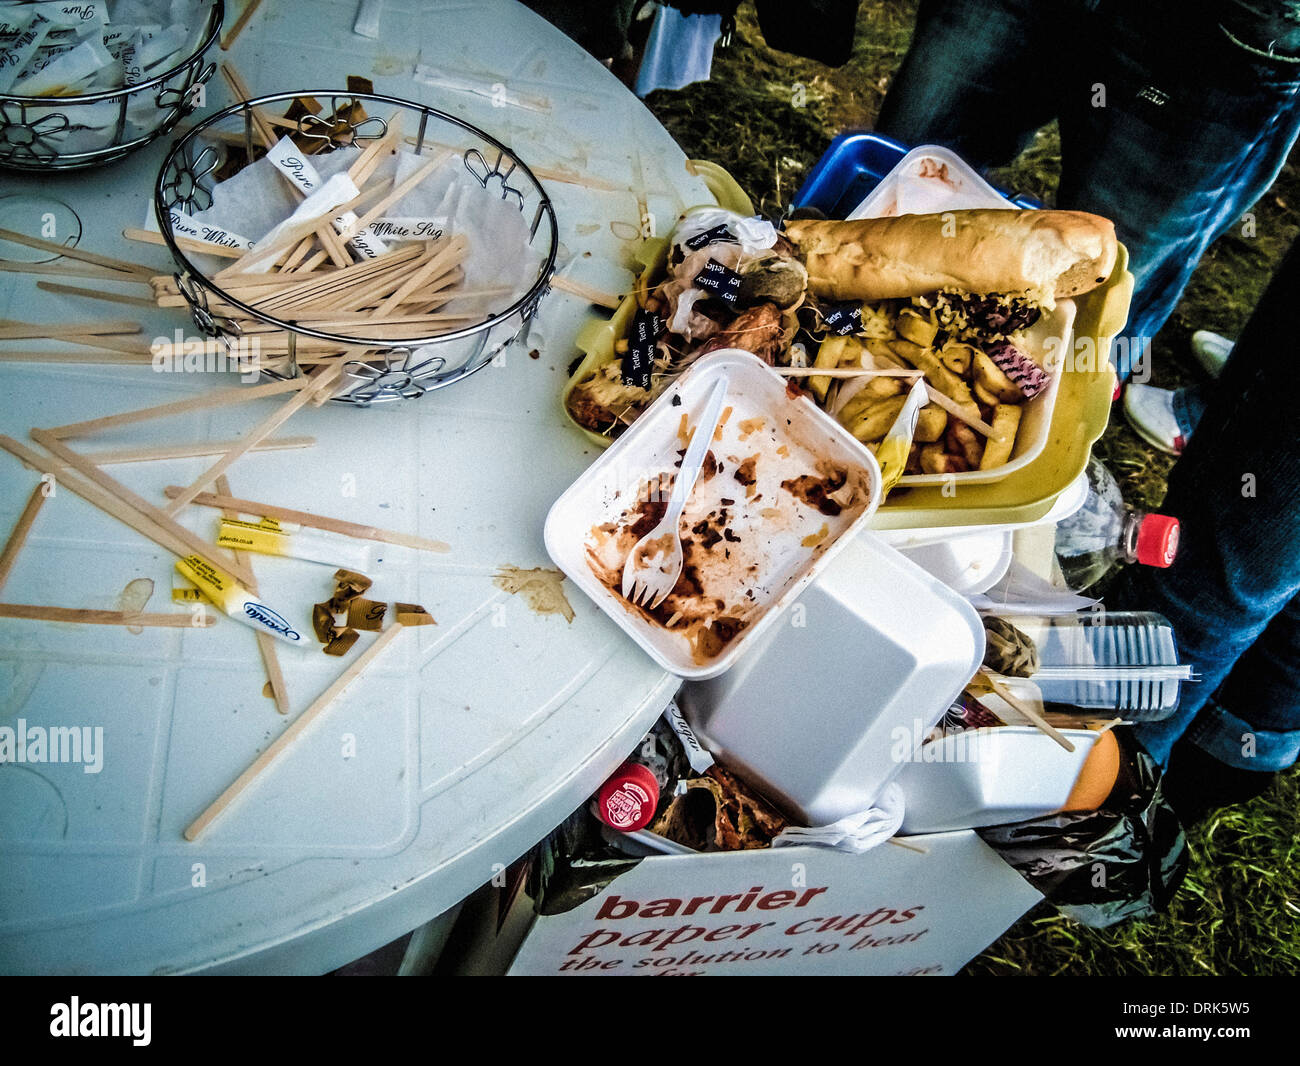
(858, 832)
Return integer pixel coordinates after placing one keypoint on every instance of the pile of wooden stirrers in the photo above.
(324, 282)
(320, 281)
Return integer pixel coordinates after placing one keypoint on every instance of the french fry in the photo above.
(914, 327)
(875, 421)
(957, 357)
(931, 424)
(997, 449)
(938, 375)
(994, 382)
(829, 354)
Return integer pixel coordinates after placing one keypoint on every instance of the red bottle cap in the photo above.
(627, 801)
(1157, 540)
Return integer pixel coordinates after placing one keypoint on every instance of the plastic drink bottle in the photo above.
(1106, 531)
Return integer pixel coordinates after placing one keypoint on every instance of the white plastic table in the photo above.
(467, 741)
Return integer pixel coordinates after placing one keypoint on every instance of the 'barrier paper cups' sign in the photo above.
(793, 911)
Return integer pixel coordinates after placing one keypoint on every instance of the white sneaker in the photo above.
(1150, 412)
(1211, 351)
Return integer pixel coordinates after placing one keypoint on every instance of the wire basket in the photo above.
(377, 367)
(73, 132)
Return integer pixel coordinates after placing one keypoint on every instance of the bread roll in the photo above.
(1047, 253)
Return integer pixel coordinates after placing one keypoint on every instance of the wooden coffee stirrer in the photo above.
(315, 521)
(80, 615)
(126, 501)
(321, 381)
(132, 271)
(18, 537)
(292, 732)
(165, 533)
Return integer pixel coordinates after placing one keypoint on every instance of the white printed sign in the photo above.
(791, 911)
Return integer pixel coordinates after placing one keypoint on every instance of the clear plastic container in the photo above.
(1121, 663)
(1105, 531)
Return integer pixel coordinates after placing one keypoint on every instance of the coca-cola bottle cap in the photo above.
(627, 801)
(1157, 541)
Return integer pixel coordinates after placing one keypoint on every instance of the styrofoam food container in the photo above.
(968, 564)
(822, 716)
(650, 448)
(932, 179)
(990, 777)
(929, 178)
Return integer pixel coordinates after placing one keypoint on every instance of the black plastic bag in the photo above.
(815, 29)
(1124, 860)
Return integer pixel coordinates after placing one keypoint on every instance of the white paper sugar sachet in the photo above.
(297, 168)
(19, 50)
(489, 217)
(65, 72)
(165, 49)
(858, 832)
(696, 753)
(335, 192)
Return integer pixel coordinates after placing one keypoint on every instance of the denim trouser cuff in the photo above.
(1229, 739)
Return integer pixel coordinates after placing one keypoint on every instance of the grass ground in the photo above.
(1239, 909)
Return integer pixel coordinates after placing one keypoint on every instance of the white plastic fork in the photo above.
(649, 582)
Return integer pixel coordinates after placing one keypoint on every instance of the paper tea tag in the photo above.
(696, 754)
(717, 235)
(843, 319)
(647, 327)
(1028, 376)
(289, 160)
(719, 281)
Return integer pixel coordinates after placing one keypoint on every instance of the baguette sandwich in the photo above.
(1042, 254)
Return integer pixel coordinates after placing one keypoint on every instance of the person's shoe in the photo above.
(1150, 411)
(1211, 351)
(1197, 783)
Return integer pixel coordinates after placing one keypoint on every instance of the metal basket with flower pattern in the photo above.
(43, 133)
(385, 358)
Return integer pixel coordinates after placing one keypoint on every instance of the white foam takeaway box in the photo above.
(789, 435)
(923, 909)
(834, 700)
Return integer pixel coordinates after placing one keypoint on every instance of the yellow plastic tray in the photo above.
(1082, 406)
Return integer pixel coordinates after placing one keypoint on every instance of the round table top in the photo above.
(467, 741)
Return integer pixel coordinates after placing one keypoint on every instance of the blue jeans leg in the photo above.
(1167, 127)
(977, 78)
(1174, 137)
(1231, 593)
